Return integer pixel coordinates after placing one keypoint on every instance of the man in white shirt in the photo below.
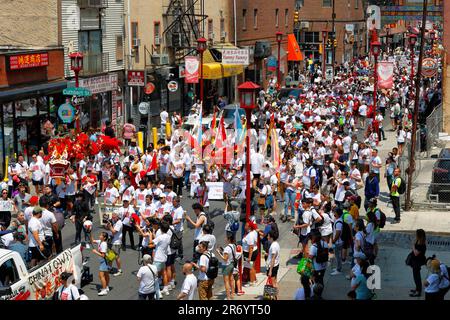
(147, 277)
(164, 116)
(37, 169)
(189, 286)
(204, 283)
(161, 245)
(115, 229)
(257, 161)
(36, 237)
(111, 193)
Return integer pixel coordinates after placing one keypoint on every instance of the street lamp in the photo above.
(375, 48)
(76, 64)
(201, 47)
(412, 45)
(279, 37)
(247, 94)
(324, 37)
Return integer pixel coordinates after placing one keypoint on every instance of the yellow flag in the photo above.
(320, 49)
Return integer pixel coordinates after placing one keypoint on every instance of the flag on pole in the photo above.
(213, 128)
(275, 150)
(154, 164)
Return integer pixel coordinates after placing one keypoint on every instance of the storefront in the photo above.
(31, 84)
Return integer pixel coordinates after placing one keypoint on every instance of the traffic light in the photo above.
(296, 16)
(335, 43)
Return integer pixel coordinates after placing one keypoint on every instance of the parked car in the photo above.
(284, 93)
(228, 113)
(440, 182)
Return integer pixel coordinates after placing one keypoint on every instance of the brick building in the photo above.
(257, 22)
(350, 25)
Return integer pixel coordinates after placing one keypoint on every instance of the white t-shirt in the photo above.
(178, 214)
(229, 249)
(307, 218)
(69, 293)
(211, 239)
(117, 237)
(164, 115)
(189, 286)
(38, 170)
(140, 195)
(204, 262)
(313, 252)
(35, 225)
(274, 251)
(162, 243)
(147, 282)
(111, 195)
(250, 240)
(338, 226)
(47, 219)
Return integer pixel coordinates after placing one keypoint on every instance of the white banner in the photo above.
(6, 205)
(215, 190)
(100, 84)
(235, 56)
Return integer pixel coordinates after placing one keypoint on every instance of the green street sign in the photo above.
(79, 92)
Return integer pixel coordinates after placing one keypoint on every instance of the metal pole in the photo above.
(412, 163)
(279, 65)
(412, 66)
(375, 86)
(201, 80)
(323, 57)
(333, 17)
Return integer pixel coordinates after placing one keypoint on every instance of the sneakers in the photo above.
(88, 246)
(103, 292)
(107, 289)
(118, 273)
(240, 293)
(160, 295)
(335, 273)
(165, 291)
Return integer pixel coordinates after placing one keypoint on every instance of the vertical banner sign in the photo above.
(385, 75)
(374, 19)
(191, 69)
(114, 107)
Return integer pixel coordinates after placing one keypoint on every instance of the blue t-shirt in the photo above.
(362, 292)
(20, 248)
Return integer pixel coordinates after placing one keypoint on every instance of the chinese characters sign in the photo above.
(24, 61)
(136, 78)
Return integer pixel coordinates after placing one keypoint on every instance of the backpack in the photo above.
(213, 266)
(382, 221)
(316, 178)
(322, 253)
(175, 239)
(346, 235)
(402, 188)
(341, 120)
(234, 261)
(209, 221)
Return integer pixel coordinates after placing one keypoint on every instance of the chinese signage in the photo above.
(136, 78)
(24, 61)
(66, 112)
(191, 69)
(235, 56)
(100, 84)
(385, 75)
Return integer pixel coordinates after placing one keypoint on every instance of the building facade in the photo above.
(446, 64)
(96, 29)
(31, 75)
(257, 22)
(350, 29)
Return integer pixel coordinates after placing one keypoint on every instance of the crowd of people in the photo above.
(325, 180)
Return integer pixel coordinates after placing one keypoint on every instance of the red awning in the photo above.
(294, 53)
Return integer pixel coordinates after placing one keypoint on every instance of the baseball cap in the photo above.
(126, 198)
(34, 200)
(37, 210)
(162, 195)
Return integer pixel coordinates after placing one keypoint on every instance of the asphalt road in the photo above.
(125, 287)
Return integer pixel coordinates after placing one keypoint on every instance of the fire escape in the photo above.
(185, 21)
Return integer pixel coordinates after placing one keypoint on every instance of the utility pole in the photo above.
(333, 52)
(412, 162)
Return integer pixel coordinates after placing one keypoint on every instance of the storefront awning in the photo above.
(294, 53)
(33, 90)
(213, 70)
(397, 30)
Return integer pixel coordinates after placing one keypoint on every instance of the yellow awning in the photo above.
(212, 71)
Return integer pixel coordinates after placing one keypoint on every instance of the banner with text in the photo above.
(235, 56)
(191, 69)
(385, 75)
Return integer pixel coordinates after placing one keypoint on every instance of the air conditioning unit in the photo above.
(304, 25)
(136, 42)
(223, 34)
(160, 59)
(157, 41)
(211, 36)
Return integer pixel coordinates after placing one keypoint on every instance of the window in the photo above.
(356, 4)
(119, 48)
(8, 273)
(90, 41)
(326, 3)
(135, 40)
(312, 37)
(276, 18)
(156, 33)
(134, 31)
(210, 29)
(286, 17)
(255, 18)
(244, 19)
